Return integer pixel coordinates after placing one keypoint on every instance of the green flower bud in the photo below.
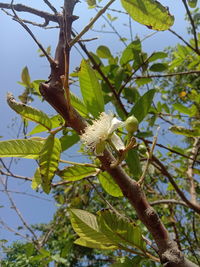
(131, 124)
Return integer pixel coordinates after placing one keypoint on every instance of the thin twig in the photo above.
(189, 172)
(36, 12)
(20, 21)
(102, 197)
(167, 148)
(130, 76)
(51, 6)
(14, 231)
(193, 25)
(149, 158)
(26, 194)
(185, 42)
(169, 201)
(15, 176)
(168, 74)
(91, 23)
(164, 171)
(194, 230)
(18, 212)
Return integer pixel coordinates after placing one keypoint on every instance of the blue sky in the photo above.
(18, 50)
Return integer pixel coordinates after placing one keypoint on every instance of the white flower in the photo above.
(96, 135)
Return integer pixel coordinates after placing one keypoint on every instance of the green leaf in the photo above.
(56, 121)
(142, 106)
(91, 89)
(78, 104)
(133, 162)
(183, 109)
(192, 3)
(86, 243)
(119, 229)
(37, 180)
(29, 113)
(21, 148)
(49, 160)
(103, 52)
(184, 131)
(26, 77)
(150, 13)
(69, 140)
(86, 226)
(158, 67)
(157, 55)
(75, 173)
(142, 81)
(109, 185)
(91, 3)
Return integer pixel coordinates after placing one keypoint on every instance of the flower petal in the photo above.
(115, 123)
(117, 142)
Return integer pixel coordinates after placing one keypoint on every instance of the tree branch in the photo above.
(39, 13)
(193, 26)
(194, 206)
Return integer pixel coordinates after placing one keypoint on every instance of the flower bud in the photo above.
(131, 124)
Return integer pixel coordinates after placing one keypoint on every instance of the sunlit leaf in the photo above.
(109, 185)
(49, 160)
(56, 121)
(75, 173)
(150, 13)
(22, 148)
(91, 89)
(78, 104)
(103, 52)
(184, 131)
(185, 110)
(90, 244)
(29, 113)
(119, 229)
(37, 180)
(86, 226)
(157, 55)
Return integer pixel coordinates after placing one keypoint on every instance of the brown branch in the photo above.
(185, 42)
(20, 21)
(19, 213)
(131, 76)
(14, 231)
(51, 6)
(191, 162)
(39, 13)
(194, 206)
(193, 25)
(167, 148)
(15, 175)
(168, 74)
(169, 201)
